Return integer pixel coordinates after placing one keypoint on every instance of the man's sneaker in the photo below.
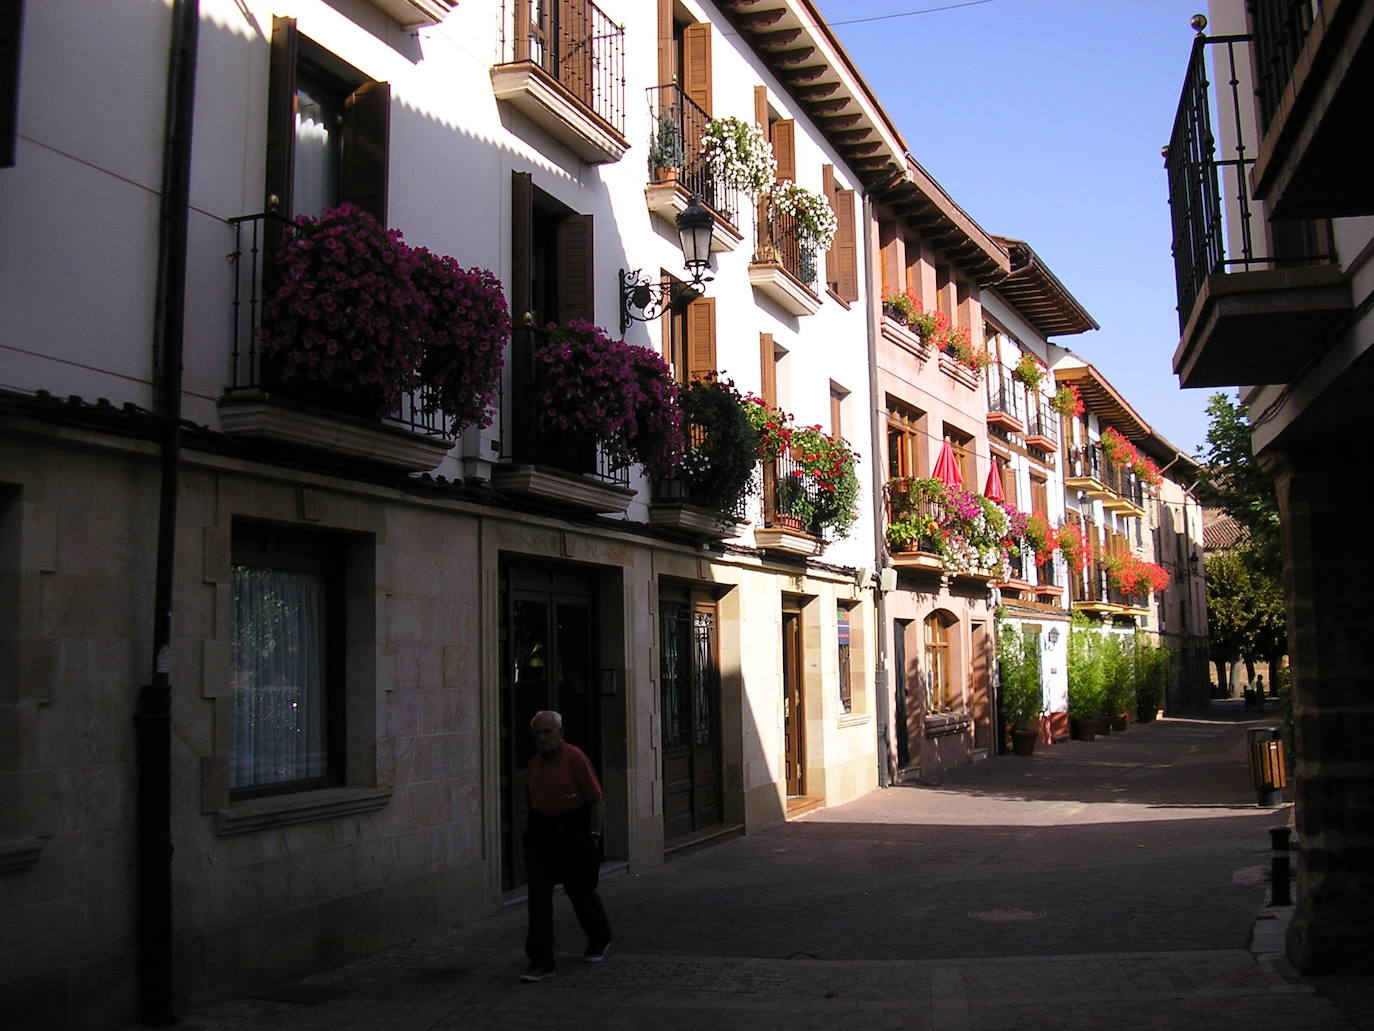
(537, 972)
(596, 953)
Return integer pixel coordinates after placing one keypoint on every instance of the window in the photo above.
(940, 695)
(846, 670)
(286, 661)
(837, 396)
(551, 257)
(1040, 495)
(1002, 464)
(962, 444)
(903, 440)
(327, 130)
(770, 357)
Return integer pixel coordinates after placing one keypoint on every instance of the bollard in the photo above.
(1278, 867)
(1268, 767)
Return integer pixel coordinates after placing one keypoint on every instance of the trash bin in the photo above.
(1268, 767)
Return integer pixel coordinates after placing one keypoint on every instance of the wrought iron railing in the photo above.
(1215, 232)
(576, 45)
(684, 118)
(1085, 460)
(1047, 572)
(901, 505)
(789, 496)
(252, 271)
(1123, 483)
(525, 437)
(707, 495)
(1280, 29)
(1016, 567)
(1005, 393)
(777, 244)
(1043, 421)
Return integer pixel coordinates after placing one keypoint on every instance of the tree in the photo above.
(1245, 614)
(1233, 482)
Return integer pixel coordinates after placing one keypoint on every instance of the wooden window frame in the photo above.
(909, 424)
(939, 669)
(565, 236)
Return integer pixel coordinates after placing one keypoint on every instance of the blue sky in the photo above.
(1043, 119)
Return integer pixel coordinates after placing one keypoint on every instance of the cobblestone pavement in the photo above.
(1113, 883)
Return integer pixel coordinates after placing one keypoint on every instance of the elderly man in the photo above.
(562, 843)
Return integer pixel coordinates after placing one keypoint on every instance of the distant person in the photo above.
(562, 845)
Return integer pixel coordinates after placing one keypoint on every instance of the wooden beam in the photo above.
(852, 136)
(836, 123)
(780, 59)
(775, 41)
(862, 149)
(818, 91)
(759, 20)
(831, 107)
(808, 74)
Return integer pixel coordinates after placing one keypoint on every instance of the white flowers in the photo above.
(815, 221)
(739, 154)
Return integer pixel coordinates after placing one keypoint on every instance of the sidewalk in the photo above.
(1107, 883)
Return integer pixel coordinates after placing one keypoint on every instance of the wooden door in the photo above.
(689, 686)
(980, 689)
(793, 710)
(904, 713)
(548, 653)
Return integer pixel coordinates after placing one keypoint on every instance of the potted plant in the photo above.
(666, 156)
(1073, 545)
(615, 394)
(1120, 452)
(824, 471)
(901, 306)
(1030, 370)
(1020, 693)
(1118, 699)
(1067, 401)
(1087, 688)
(739, 155)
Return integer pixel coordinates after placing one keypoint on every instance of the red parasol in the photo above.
(993, 491)
(947, 468)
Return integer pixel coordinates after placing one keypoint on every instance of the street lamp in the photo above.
(642, 299)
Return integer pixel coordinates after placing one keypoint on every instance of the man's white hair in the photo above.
(557, 718)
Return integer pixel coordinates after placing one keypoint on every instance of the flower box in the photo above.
(562, 489)
(694, 520)
(786, 539)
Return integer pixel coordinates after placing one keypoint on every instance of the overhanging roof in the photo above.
(1111, 409)
(1038, 295)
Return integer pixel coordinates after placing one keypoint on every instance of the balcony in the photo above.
(257, 405)
(546, 466)
(787, 501)
(1047, 579)
(696, 509)
(680, 124)
(1127, 493)
(1084, 471)
(1042, 428)
(1251, 297)
(923, 553)
(1314, 78)
(781, 268)
(1018, 576)
(563, 67)
(1006, 401)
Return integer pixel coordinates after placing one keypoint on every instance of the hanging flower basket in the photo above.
(1067, 401)
(1030, 370)
(721, 459)
(1120, 452)
(739, 155)
(618, 395)
(813, 220)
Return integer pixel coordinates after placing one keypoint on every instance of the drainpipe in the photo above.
(883, 704)
(154, 716)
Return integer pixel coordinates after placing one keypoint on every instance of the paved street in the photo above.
(1116, 883)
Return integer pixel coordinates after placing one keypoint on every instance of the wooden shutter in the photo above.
(667, 55)
(1008, 477)
(281, 122)
(783, 135)
(768, 368)
(845, 248)
(701, 338)
(575, 268)
(521, 244)
(696, 75)
(761, 107)
(366, 130)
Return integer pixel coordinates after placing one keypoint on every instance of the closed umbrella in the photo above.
(993, 491)
(947, 468)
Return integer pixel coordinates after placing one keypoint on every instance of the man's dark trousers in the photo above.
(560, 849)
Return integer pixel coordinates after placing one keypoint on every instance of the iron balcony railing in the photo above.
(1123, 483)
(1006, 394)
(707, 495)
(901, 505)
(251, 265)
(1043, 421)
(1280, 29)
(525, 439)
(1085, 460)
(576, 45)
(789, 496)
(1047, 573)
(777, 244)
(1215, 228)
(680, 122)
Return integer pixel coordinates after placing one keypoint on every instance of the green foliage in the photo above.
(719, 464)
(1151, 672)
(665, 151)
(1246, 618)
(1233, 482)
(1087, 684)
(1118, 674)
(1018, 665)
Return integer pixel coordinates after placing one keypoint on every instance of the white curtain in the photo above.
(278, 725)
(315, 183)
